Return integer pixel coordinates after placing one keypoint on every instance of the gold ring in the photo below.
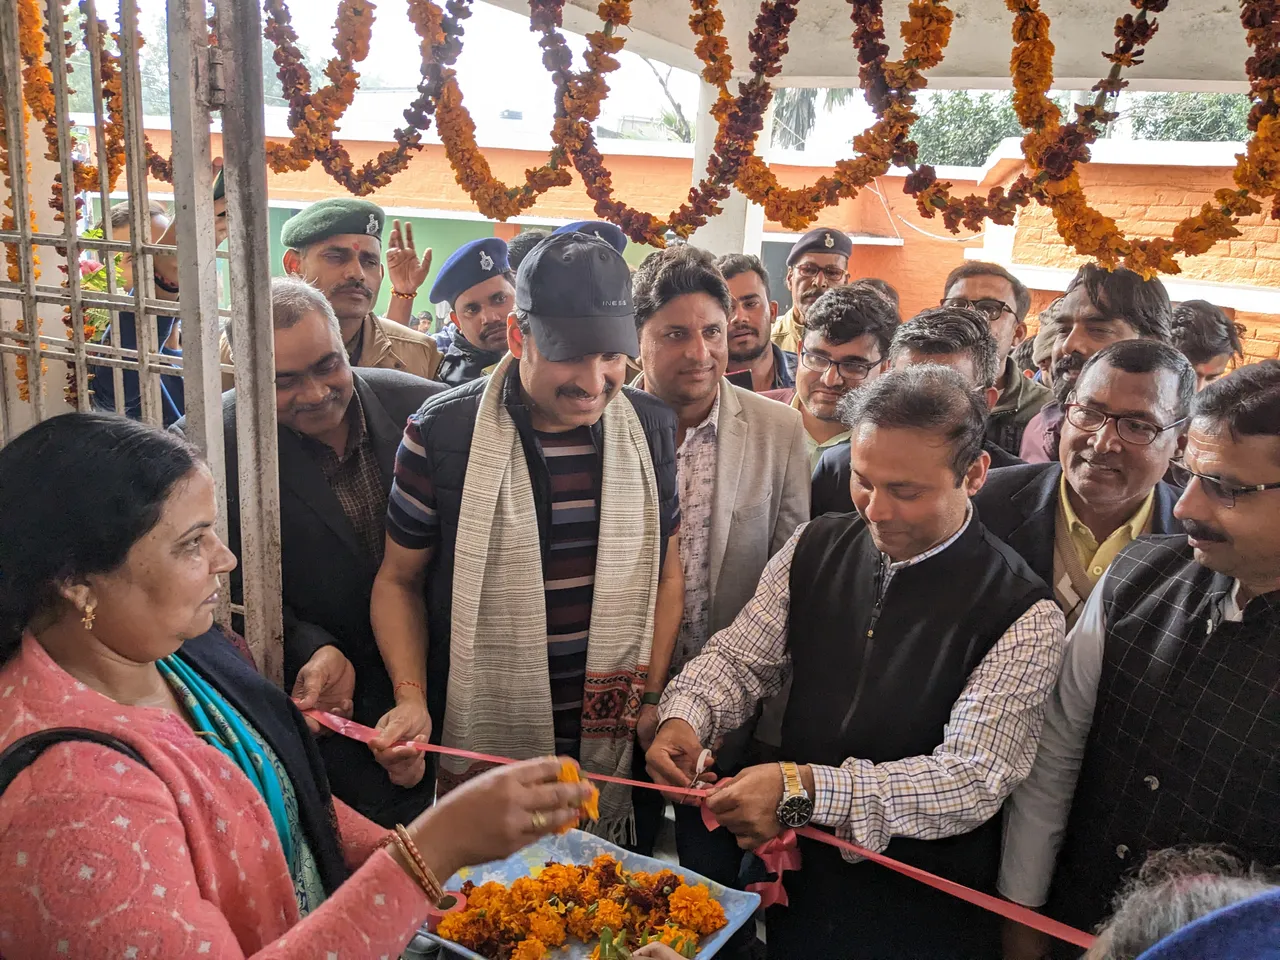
(539, 821)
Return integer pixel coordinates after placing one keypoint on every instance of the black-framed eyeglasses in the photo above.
(991, 309)
(833, 273)
(1224, 493)
(1133, 430)
(848, 369)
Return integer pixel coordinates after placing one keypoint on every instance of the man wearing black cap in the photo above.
(336, 245)
(819, 259)
(538, 508)
(479, 286)
(610, 233)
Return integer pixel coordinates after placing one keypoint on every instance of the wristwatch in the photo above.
(796, 807)
(650, 699)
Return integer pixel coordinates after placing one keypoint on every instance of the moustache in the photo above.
(1202, 531)
(1071, 363)
(353, 288)
(741, 329)
(332, 400)
(577, 393)
(1106, 463)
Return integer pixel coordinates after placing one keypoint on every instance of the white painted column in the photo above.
(740, 226)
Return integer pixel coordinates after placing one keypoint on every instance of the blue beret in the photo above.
(821, 240)
(1248, 930)
(470, 264)
(608, 232)
(330, 218)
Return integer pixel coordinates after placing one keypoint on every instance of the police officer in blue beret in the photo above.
(610, 233)
(479, 286)
(818, 260)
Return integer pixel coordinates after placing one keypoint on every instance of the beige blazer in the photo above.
(762, 494)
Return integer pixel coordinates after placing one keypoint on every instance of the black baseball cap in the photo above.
(576, 290)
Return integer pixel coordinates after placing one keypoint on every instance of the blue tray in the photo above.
(580, 847)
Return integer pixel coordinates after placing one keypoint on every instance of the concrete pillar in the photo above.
(740, 226)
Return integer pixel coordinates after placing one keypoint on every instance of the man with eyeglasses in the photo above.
(946, 336)
(1003, 299)
(1100, 307)
(845, 346)
(818, 261)
(1164, 724)
(1124, 422)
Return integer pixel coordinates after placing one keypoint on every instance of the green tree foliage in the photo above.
(1189, 116)
(963, 127)
(960, 127)
(153, 67)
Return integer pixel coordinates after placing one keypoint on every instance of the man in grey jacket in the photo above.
(742, 472)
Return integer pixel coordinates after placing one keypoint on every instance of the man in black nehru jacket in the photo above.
(908, 723)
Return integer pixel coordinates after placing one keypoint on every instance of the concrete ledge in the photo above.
(1236, 296)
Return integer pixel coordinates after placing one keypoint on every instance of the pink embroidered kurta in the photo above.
(100, 857)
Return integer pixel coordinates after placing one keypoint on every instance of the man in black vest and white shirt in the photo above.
(916, 707)
(1164, 726)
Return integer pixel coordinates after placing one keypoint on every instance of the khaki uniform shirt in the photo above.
(383, 343)
(788, 331)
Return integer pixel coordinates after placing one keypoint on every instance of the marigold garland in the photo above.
(457, 131)
(313, 117)
(1053, 149)
(31, 50)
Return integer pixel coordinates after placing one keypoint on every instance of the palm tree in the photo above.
(795, 112)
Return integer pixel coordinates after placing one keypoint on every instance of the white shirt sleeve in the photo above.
(1036, 813)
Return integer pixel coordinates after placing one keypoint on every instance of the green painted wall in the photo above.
(441, 236)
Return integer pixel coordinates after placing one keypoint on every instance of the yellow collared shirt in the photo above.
(812, 446)
(1095, 557)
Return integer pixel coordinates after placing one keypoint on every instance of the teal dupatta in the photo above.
(223, 728)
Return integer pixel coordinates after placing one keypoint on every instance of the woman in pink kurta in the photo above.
(108, 563)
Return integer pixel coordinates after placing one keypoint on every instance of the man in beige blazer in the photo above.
(742, 475)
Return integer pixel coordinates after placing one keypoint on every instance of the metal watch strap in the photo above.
(792, 785)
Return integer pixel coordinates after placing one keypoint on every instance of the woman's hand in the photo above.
(496, 814)
(656, 951)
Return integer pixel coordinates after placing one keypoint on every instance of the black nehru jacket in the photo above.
(877, 679)
(830, 486)
(1185, 742)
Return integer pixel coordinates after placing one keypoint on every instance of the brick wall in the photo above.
(1145, 200)
(1150, 200)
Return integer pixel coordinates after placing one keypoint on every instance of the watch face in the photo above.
(795, 811)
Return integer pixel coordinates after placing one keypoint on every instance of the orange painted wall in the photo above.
(1144, 199)
(1149, 201)
(659, 184)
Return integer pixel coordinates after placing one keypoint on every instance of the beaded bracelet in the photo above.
(426, 879)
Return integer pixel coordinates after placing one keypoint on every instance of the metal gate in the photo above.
(42, 317)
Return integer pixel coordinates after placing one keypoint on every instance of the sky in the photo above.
(500, 68)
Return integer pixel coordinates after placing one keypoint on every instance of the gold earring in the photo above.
(87, 619)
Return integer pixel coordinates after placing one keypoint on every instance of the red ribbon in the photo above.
(779, 854)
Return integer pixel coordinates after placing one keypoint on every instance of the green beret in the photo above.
(328, 218)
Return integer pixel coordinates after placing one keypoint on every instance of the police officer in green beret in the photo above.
(817, 261)
(336, 245)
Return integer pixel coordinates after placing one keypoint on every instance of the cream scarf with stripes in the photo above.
(499, 699)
